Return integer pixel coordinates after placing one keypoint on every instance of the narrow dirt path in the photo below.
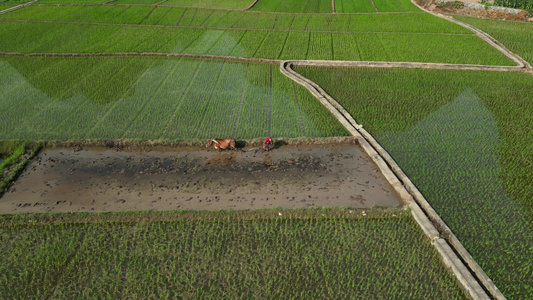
(473, 277)
(17, 7)
(483, 35)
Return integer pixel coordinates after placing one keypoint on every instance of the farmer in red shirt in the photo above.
(267, 144)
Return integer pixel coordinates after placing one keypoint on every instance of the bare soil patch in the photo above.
(455, 9)
(99, 179)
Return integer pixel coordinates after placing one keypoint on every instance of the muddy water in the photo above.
(100, 180)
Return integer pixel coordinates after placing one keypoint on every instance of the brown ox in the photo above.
(222, 144)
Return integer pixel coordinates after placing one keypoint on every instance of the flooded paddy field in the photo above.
(195, 178)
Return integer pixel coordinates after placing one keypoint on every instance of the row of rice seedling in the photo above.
(248, 21)
(256, 108)
(56, 2)
(320, 46)
(170, 16)
(294, 6)
(227, 4)
(284, 123)
(150, 98)
(193, 17)
(345, 46)
(190, 17)
(127, 117)
(271, 46)
(465, 143)
(395, 5)
(38, 38)
(227, 43)
(354, 6)
(300, 254)
(283, 21)
(220, 117)
(145, 2)
(294, 46)
(516, 36)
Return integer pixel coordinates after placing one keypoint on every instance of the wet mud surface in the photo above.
(193, 178)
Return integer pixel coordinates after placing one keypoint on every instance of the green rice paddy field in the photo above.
(463, 137)
(517, 36)
(118, 28)
(154, 98)
(465, 142)
(312, 254)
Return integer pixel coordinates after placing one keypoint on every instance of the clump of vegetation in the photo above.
(14, 155)
(521, 4)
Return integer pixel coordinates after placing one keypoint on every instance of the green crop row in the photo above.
(516, 36)
(219, 19)
(227, 4)
(354, 6)
(365, 6)
(465, 142)
(154, 98)
(224, 255)
(395, 5)
(75, 38)
(294, 6)
(72, 1)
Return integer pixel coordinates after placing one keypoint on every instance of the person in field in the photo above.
(267, 144)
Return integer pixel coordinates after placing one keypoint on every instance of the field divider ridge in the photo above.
(251, 5)
(5, 11)
(235, 28)
(430, 222)
(147, 54)
(482, 35)
(323, 63)
(407, 65)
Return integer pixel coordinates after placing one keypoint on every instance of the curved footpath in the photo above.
(17, 7)
(470, 275)
(472, 278)
(430, 222)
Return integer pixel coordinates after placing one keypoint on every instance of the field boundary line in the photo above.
(236, 28)
(5, 11)
(406, 65)
(228, 9)
(322, 63)
(432, 225)
(251, 5)
(375, 7)
(147, 54)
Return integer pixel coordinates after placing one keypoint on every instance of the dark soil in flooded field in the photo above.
(196, 178)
